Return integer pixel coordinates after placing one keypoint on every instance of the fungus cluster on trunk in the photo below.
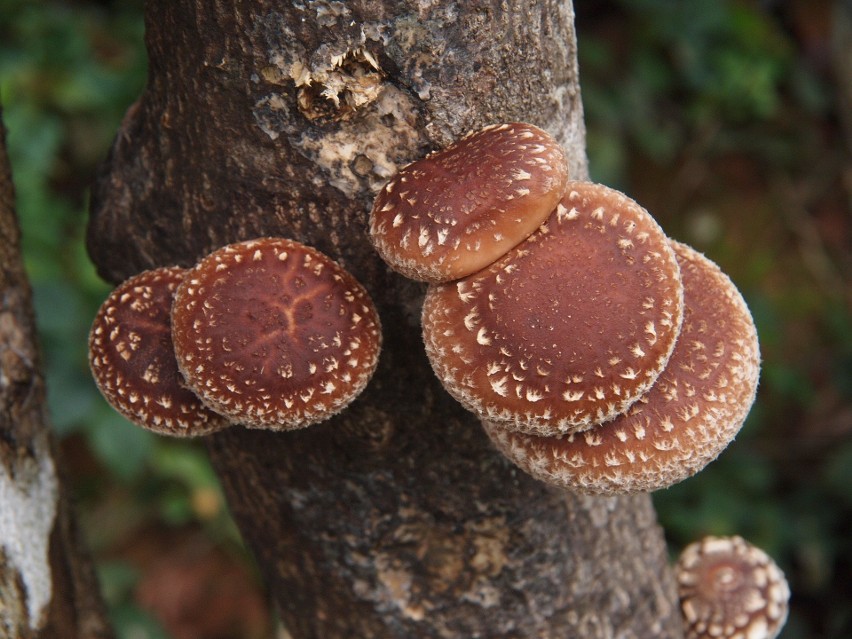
(267, 333)
(600, 355)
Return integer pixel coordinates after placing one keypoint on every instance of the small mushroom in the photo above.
(570, 327)
(273, 334)
(457, 210)
(133, 362)
(730, 589)
(683, 422)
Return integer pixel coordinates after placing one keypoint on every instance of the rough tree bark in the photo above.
(47, 584)
(396, 518)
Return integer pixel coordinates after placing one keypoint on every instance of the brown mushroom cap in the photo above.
(687, 418)
(133, 362)
(274, 334)
(570, 327)
(457, 210)
(730, 589)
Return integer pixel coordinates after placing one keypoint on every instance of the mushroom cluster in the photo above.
(599, 354)
(267, 333)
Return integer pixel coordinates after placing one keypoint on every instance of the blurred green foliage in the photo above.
(713, 113)
(68, 71)
(66, 75)
(687, 70)
(717, 116)
(118, 581)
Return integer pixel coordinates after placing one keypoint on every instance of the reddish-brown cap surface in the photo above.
(570, 327)
(459, 209)
(274, 334)
(133, 362)
(730, 589)
(687, 418)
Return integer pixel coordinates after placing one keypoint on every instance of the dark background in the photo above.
(725, 119)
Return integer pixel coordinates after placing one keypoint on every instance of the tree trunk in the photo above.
(396, 518)
(47, 584)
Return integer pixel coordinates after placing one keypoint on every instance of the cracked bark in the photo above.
(47, 582)
(396, 518)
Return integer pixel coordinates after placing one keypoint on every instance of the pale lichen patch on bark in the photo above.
(599, 509)
(268, 110)
(490, 546)
(396, 589)
(366, 149)
(333, 80)
(28, 503)
(328, 12)
(339, 87)
(338, 82)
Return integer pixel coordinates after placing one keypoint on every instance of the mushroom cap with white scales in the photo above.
(274, 334)
(683, 422)
(133, 361)
(730, 589)
(570, 327)
(458, 209)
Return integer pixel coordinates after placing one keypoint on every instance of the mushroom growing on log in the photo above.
(132, 358)
(255, 122)
(567, 329)
(683, 422)
(273, 334)
(552, 345)
(730, 589)
(457, 210)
